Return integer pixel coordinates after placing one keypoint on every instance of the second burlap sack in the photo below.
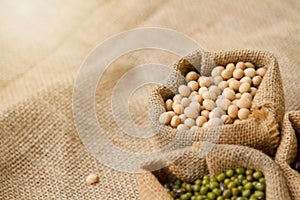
(260, 131)
(287, 151)
(192, 165)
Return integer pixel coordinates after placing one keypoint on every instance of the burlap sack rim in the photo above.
(287, 148)
(262, 162)
(287, 152)
(269, 121)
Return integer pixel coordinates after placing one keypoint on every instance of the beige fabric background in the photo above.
(43, 44)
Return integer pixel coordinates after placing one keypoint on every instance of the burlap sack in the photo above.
(260, 131)
(221, 158)
(287, 151)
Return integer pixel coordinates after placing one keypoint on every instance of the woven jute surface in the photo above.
(258, 131)
(287, 151)
(220, 159)
(43, 44)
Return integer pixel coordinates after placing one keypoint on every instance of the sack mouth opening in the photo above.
(267, 121)
(236, 156)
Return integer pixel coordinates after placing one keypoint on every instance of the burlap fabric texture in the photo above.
(219, 159)
(287, 151)
(260, 131)
(42, 156)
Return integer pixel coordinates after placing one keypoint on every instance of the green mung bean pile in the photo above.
(237, 184)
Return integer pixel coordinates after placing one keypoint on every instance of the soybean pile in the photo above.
(237, 184)
(225, 97)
